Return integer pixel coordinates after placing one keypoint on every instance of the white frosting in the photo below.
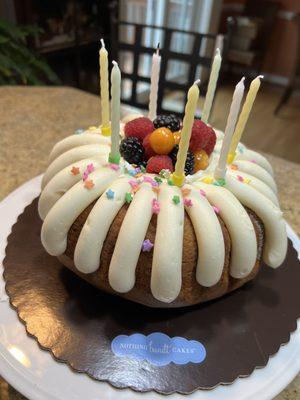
(239, 225)
(167, 254)
(89, 245)
(64, 197)
(62, 215)
(130, 240)
(211, 249)
(72, 156)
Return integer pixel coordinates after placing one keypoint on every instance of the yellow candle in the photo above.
(104, 91)
(240, 126)
(213, 78)
(188, 120)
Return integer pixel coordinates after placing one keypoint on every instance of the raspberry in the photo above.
(132, 150)
(157, 163)
(189, 164)
(168, 121)
(139, 128)
(200, 135)
(211, 141)
(149, 152)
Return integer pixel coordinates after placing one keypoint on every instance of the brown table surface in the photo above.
(32, 120)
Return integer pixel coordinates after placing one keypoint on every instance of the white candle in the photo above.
(156, 59)
(114, 156)
(214, 74)
(104, 91)
(230, 126)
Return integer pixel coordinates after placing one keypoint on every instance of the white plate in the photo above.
(34, 372)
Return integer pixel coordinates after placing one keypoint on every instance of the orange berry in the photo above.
(162, 140)
(200, 160)
(177, 136)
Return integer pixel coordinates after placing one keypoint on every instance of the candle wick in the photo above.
(261, 76)
(102, 42)
(218, 51)
(114, 62)
(158, 48)
(197, 82)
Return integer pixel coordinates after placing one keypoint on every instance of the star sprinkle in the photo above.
(185, 192)
(89, 184)
(128, 197)
(208, 180)
(240, 178)
(155, 206)
(234, 167)
(134, 184)
(253, 161)
(75, 171)
(202, 192)
(219, 182)
(216, 209)
(110, 194)
(85, 175)
(158, 180)
(114, 167)
(78, 131)
(147, 245)
(188, 202)
(176, 199)
(90, 168)
(150, 180)
(143, 169)
(170, 182)
(165, 173)
(92, 128)
(247, 180)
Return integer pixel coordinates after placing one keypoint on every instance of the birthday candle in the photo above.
(188, 120)
(114, 156)
(214, 74)
(231, 122)
(156, 59)
(247, 107)
(104, 91)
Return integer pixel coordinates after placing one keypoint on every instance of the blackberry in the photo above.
(190, 160)
(132, 150)
(169, 121)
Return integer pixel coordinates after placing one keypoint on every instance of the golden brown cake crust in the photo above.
(191, 292)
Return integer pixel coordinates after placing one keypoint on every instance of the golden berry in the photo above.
(162, 140)
(201, 160)
(177, 136)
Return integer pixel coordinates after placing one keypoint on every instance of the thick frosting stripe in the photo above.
(65, 211)
(251, 155)
(75, 141)
(61, 183)
(211, 249)
(167, 256)
(239, 225)
(257, 171)
(276, 238)
(256, 184)
(130, 240)
(90, 242)
(74, 155)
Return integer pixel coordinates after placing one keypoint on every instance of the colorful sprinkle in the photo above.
(150, 180)
(128, 197)
(188, 202)
(208, 180)
(89, 184)
(155, 206)
(114, 167)
(170, 182)
(78, 131)
(219, 182)
(202, 192)
(240, 178)
(176, 199)
(247, 180)
(143, 169)
(165, 173)
(110, 194)
(85, 175)
(133, 184)
(92, 128)
(147, 245)
(216, 209)
(233, 166)
(156, 190)
(185, 192)
(158, 180)
(131, 172)
(90, 168)
(75, 171)
(253, 161)
(139, 175)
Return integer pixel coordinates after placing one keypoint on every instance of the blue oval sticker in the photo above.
(159, 349)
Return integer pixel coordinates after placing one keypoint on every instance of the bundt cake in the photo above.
(127, 229)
